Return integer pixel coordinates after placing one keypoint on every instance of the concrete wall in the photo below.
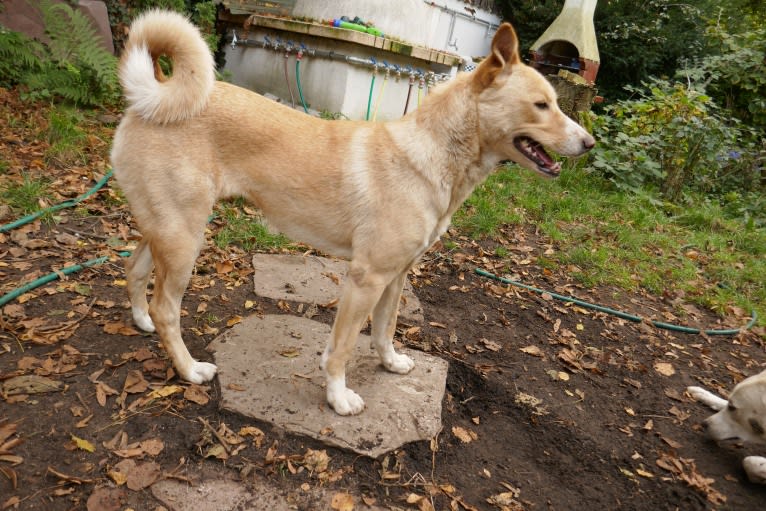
(331, 85)
(337, 86)
(414, 21)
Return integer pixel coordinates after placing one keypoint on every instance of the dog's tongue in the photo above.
(539, 151)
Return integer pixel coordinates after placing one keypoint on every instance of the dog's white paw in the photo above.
(707, 398)
(200, 372)
(344, 400)
(399, 363)
(142, 320)
(755, 466)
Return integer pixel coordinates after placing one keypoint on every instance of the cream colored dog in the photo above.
(378, 194)
(742, 417)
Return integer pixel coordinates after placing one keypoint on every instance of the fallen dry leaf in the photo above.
(664, 368)
(342, 502)
(532, 350)
(153, 446)
(491, 345)
(143, 475)
(105, 499)
(423, 503)
(118, 327)
(119, 473)
(196, 394)
(83, 444)
(506, 501)
(29, 384)
(257, 434)
(316, 461)
(464, 435)
(135, 382)
(102, 391)
(165, 391)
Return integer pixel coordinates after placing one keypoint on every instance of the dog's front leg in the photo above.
(708, 398)
(384, 325)
(362, 291)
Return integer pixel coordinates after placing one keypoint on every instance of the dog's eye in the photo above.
(541, 105)
(731, 407)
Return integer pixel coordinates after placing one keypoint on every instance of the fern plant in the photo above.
(80, 69)
(73, 65)
(18, 56)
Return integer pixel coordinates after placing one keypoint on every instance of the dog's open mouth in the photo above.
(535, 152)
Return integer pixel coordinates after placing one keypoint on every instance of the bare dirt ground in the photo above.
(548, 405)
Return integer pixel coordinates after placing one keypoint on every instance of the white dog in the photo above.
(742, 417)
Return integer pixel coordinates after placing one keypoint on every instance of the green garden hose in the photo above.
(66, 204)
(298, 81)
(369, 100)
(54, 276)
(620, 314)
(64, 271)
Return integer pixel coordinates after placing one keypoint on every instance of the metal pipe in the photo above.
(331, 55)
(490, 25)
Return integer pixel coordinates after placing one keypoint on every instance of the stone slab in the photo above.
(275, 361)
(313, 279)
(219, 494)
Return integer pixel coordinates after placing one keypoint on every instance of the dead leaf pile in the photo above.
(507, 500)
(686, 470)
(9, 439)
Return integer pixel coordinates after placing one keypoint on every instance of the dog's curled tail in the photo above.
(153, 96)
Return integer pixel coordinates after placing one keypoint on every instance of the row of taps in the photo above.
(300, 50)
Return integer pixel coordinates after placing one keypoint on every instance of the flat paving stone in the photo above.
(220, 494)
(313, 279)
(273, 363)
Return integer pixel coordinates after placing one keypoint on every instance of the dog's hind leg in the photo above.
(175, 252)
(138, 269)
(384, 325)
(362, 291)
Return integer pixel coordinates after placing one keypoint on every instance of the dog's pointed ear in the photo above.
(505, 53)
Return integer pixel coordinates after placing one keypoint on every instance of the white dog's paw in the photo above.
(199, 372)
(755, 466)
(142, 320)
(344, 400)
(399, 363)
(706, 397)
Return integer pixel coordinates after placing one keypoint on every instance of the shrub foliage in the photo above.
(72, 66)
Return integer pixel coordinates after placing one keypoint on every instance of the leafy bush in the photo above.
(123, 12)
(672, 138)
(72, 66)
(18, 55)
(735, 76)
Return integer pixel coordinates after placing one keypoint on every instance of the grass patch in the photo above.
(245, 229)
(633, 241)
(29, 196)
(67, 140)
